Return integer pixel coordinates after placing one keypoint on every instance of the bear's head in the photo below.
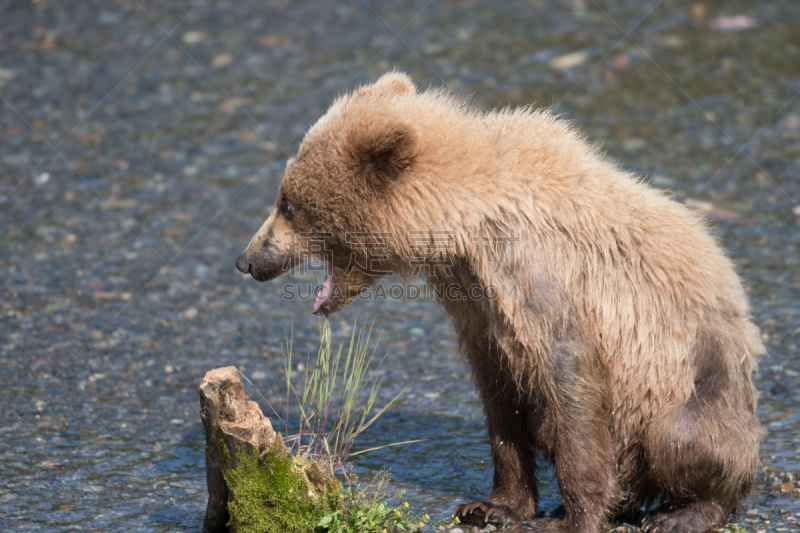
(332, 204)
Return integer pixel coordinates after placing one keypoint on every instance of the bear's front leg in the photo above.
(579, 439)
(515, 494)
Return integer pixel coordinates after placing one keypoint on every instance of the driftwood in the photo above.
(230, 415)
(255, 485)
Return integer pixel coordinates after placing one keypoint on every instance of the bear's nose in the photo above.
(243, 264)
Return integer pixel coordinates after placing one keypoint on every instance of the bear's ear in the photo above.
(383, 153)
(392, 83)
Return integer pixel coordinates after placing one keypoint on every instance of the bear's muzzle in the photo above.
(243, 264)
(264, 265)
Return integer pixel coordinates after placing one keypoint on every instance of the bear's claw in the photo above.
(481, 513)
(656, 523)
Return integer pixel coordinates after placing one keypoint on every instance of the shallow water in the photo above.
(134, 168)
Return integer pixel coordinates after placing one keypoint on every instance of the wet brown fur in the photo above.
(620, 344)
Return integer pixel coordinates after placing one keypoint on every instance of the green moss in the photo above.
(276, 493)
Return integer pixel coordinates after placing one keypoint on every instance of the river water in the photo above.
(142, 143)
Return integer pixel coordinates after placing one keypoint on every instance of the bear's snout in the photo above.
(264, 265)
(243, 264)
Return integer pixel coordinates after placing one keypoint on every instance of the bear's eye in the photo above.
(287, 209)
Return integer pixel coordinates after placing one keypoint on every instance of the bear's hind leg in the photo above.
(703, 458)
(703, 453)
(697, 517)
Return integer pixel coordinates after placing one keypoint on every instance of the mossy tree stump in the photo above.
(255, 485)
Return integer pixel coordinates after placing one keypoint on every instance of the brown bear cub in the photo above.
(606, 330)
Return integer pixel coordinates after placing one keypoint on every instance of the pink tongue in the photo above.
(324, 292)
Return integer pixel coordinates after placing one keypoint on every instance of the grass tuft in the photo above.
(365, 511)
(337, 399)
(336, 402)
